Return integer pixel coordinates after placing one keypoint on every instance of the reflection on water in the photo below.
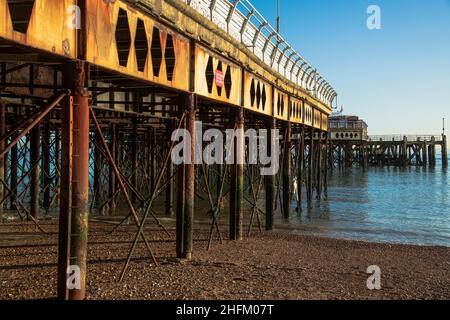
(394, 205)
(384, 205)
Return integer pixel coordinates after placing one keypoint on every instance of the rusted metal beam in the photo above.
(52, 102)
(121, 183)
(35, 150)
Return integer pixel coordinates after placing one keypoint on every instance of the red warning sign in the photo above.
(219, 79)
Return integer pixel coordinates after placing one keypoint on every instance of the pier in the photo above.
(350, 145)
(91, 92)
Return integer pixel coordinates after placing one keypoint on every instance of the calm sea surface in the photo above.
(393, 205)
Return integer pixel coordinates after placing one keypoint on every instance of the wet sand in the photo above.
(276, 265)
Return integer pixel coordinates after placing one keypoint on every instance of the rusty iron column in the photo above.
(189, 104)
(237, 178)
(75, 162)
(112, 175)
(424, 154)
(430, 154)
(240, 156)
(270, 180)
(65, 197)
(169, 173)
(319, 165)
(80, 182)
(310, 168)
(2, 162)
(301, 160)
(35, 148)
(325, 168)
(287, 156)
(180, 210)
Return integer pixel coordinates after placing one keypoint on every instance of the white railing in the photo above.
(410, 138)
(241, 20)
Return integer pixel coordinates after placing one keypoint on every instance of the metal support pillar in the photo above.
(237, 180)
(46, 174)
(270, 180)
(287, 155)
(424, 154)
(35, 148)
(74, 207)
(13, 177)
(405, 152)
(301, 160)
(319, 165)
(189, 187)
(310, 168)
(444, 152)
(169, 174)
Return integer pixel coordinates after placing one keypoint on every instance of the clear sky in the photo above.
(396, 78)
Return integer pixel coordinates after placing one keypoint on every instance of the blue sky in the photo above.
(396, 78)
